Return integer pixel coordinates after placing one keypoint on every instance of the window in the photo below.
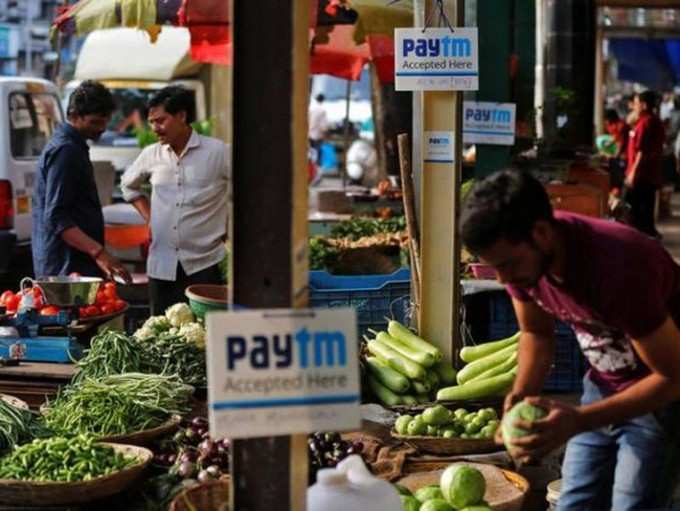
(32, 120)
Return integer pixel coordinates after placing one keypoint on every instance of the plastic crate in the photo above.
(375, 297)
(491, 316)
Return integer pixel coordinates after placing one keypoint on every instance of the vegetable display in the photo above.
(117, 404)
(490, 371)
(438, 421)
(404, 369)
(326, 450)
(63, 459)
(18, 426)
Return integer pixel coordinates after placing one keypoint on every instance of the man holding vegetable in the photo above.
(620, 291)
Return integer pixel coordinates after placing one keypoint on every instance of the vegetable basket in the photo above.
(14, 401)
(43, 493)
(438, 445)
(206, 298)
(210, 496)
(146, 436)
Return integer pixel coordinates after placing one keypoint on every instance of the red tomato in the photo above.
(12, 303)
(107, 309)
(5, 296)
(82, 312)
(92, 310)
(101, 297)
(50, 310)
(119, 305)
(110, 294)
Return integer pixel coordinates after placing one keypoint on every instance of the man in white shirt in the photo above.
(189, 175)
(318, 123)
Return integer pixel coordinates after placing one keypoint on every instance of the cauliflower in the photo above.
(179, 314)
(152, 327)
(193, 333)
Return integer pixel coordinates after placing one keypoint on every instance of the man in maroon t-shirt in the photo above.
(645, 156)
(620, 291)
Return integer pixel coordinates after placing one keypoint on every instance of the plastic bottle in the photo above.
(351, 486)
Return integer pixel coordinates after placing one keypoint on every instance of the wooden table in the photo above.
(34, 382)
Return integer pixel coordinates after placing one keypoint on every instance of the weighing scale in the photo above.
(20, 335)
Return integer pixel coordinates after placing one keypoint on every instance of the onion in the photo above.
(186, 470)
(204, 476)
(199, 421)
(213, 470)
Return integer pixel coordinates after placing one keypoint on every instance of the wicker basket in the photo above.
(34, 493)
(210, 496)
(146, 436)
(497, 496)
(438, 445)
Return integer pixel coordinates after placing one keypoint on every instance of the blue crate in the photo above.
(375, 297)
(499, 321)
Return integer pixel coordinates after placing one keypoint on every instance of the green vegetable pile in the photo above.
(170, 353)
(63, 459)
(117, 404)
(111, 353)
(403, 369)
(490, 371)
(438, 421)
(461, 487)
(18, 426)
(362, 227)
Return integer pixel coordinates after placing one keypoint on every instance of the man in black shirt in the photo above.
(68, 225)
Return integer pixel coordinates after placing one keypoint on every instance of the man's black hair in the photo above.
(505, 205)
(650, 98)
(175, 99)
(90, 98)
(612, 115)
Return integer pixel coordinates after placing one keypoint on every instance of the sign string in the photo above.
(443, 18)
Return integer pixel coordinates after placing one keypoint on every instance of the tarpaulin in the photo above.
(651, 62)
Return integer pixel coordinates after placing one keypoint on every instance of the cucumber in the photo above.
(392, 379)
(420, 357)
(501, 368)
(446, 373)
(483, 364)
(477, 389)
(404, 335)
(472, 353)
(421, 387)
(397, 362)
(383, 393)
(409, 400)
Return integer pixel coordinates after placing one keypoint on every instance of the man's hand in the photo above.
(112, 266)
(562, 422)
(629, 181)
(511, 399)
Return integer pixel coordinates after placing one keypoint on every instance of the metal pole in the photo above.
(348, 97)
(27, 34)
(599, 82)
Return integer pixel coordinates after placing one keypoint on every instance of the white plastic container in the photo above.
(351, 486)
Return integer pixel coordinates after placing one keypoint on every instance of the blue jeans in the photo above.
(627, 466)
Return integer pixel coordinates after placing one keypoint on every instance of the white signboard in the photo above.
(436, 59)
(439, 146)
(488, 123)
(278, 372)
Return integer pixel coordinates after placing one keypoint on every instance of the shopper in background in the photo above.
(644, 175)
(620, 292)
(318, 124)
(618, 129)
(189, 175)
(68, 224)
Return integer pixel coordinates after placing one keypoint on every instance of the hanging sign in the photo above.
(488, 123)
(439, 146)
(277, 372)
(436, 59)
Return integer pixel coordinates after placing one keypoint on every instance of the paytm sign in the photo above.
(488, 123)
(436, 59)
(277, 372)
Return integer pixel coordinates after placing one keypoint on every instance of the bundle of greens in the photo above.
(18, 426)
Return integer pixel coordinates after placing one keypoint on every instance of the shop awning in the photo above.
(651, 62)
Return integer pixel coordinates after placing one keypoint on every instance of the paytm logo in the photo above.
(440, 47)
(438, 141)
(488, 115)
(303, 348)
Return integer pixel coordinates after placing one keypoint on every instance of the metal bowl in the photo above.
(68, 291)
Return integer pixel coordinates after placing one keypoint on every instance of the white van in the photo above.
(31, 113)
